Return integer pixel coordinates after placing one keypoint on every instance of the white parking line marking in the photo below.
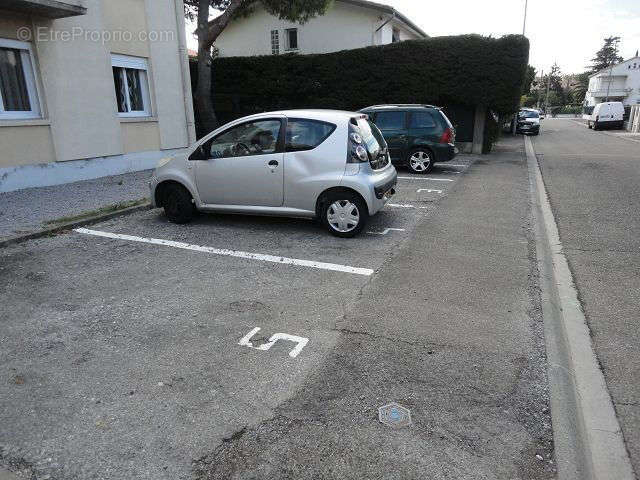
(427, 178)
(301, 341)
(452, 165)
(404, 205)
(387, 230)
(231, 253)
(428, 190)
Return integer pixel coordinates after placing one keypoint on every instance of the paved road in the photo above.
(123, 359)
(593, 180)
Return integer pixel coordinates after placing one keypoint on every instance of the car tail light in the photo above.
(447, 136)
(357, 153)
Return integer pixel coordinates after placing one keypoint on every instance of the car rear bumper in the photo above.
(445, 152)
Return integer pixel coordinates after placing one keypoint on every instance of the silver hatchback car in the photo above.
(324, 164)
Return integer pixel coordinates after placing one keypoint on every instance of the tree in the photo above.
(209, 29)
(529, 80)
(580, 87)
(608, 55)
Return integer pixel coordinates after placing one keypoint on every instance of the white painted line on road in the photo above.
(387, 230)
(428, 179)
(404, 205)
(231, 253)
(458, 165)
(428, 190)
(301, 341)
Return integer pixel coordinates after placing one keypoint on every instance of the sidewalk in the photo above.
(34, 209)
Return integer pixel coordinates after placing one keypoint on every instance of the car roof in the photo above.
(400, 106)
(312, 114)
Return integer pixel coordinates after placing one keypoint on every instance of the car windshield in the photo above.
(372, 137)
(528, 114)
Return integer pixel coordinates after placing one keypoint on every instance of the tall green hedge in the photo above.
(466, 70)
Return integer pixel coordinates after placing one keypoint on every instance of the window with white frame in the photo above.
(130, 76)
(18, 92)
(291, 38)
(275, 42)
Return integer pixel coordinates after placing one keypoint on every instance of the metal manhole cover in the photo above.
(394, 415)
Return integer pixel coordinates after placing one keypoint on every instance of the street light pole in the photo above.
(524, 26)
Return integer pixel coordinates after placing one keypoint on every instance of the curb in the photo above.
(71, 225)
(588, 440)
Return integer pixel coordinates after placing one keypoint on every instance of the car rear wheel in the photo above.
(344, 214)
(178, 204)
(420, 161)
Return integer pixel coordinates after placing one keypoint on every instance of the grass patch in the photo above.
(99, 211)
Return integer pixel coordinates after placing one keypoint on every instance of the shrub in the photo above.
(457, 72)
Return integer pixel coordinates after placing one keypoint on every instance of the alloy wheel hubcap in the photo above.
(343, 216)
(420, 161)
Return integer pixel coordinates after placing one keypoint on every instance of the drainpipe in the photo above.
(183, 60)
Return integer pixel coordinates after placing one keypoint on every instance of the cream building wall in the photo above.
(80, 134)
(343, 27)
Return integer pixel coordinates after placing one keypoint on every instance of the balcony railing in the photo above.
(46, 8)
(613, 92)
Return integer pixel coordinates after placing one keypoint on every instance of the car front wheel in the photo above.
(420, 161)
(344, 214)
(178, 205)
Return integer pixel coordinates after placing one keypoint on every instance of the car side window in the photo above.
(390, 120)
(245, 140)
(304, 134)
(421, 120)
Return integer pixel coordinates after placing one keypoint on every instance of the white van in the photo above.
(607, 115)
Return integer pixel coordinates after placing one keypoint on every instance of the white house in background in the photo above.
(622, 83)
(346, 25)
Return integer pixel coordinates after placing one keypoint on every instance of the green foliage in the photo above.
(529, 79)
(608, 55)
(491, 132)
(580, 87)
(463, 70)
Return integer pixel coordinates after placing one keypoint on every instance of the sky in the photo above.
(568, 32)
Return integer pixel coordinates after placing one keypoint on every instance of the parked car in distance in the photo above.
(607, 115)
(418, 135)
(324, 164)
(528, 121)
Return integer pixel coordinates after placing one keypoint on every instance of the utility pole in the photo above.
(541, 80)
(524, 26)
(546, 102)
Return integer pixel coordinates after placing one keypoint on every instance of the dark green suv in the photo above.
(417, 135)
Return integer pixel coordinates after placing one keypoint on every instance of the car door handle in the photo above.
(273, 163)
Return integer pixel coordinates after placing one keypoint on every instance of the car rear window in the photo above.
(304, 134)
(372, 137)
(390, 120)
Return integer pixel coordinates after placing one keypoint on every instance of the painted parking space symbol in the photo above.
(386, 231)
(300, 341)
(428, 190)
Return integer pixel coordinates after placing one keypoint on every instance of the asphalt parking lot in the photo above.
(135, 348)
